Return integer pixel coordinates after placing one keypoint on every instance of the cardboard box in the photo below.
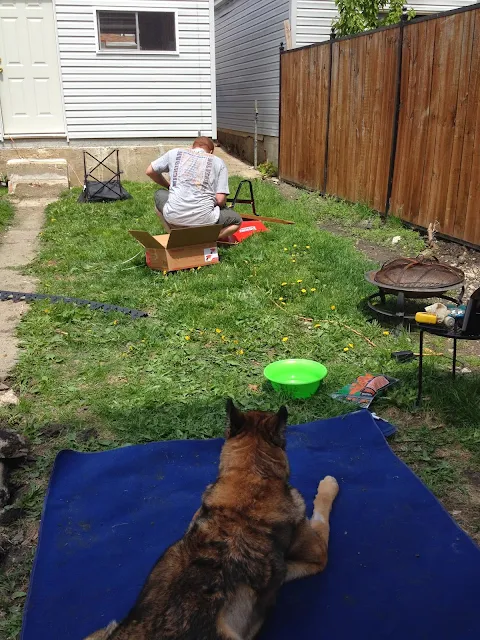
(246, 229)
(181, 248)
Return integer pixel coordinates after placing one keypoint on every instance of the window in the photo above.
(137, 31)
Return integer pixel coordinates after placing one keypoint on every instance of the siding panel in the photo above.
(248, 36)
(128, 95)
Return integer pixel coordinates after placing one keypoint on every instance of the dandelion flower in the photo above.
(304, 291)
(293, 260)
(350, 345)
(346, 349)
(307, 246)
(333, 307)
(115, 322)
(386, 333)
(313, 289)
(285, 249)
(284, 339)
(241, 352)
(284, 303)
(235, 342)
(284, 284)
(46, 311)
(218, 331)
(299, 281)
(317, 326)
(294, 246)
(187, 337)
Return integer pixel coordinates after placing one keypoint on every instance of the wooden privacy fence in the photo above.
(390, 118)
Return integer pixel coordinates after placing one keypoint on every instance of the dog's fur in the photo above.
(249, 536)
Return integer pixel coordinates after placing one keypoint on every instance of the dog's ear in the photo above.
(278, 437)
(235, 420)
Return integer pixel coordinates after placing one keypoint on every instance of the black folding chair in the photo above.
(107, 190)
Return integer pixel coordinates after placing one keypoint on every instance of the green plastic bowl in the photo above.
(296, 378)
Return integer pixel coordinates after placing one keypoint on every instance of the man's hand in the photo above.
(157, 177)
(221, 199)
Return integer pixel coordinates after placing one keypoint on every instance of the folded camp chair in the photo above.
(106, 190)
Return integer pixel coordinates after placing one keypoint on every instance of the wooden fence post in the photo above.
(327, 133)
(396, 115)
(282, 49)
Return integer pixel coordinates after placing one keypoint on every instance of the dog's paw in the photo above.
(328, 487)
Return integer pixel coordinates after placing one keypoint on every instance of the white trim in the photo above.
(213, 98)
(60, 74)
(33, 136)
(1, 124)
(134, 52)
(293, 22)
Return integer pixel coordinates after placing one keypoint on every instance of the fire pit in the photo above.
(412, 278)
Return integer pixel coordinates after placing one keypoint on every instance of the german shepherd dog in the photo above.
(249, 536)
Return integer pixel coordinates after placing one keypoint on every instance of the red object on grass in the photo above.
(246, 229)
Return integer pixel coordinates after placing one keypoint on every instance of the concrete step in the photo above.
(37, 177)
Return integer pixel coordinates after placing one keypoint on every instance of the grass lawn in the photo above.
(6, 209)
(90, 380)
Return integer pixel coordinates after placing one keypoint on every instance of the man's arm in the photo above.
(221, 199)
(157, 177)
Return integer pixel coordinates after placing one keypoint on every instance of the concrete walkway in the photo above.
(18, 247)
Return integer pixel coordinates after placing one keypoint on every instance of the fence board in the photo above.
(304, 111)
(436, 170)
(362, 118)
(435, 161)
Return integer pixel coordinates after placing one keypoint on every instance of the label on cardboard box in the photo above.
(211, 254)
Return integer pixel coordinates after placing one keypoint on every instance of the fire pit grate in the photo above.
(415, 273)
(416, 278)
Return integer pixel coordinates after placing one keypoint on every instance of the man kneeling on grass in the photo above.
(198, 188)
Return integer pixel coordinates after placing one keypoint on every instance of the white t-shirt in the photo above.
(195, 177)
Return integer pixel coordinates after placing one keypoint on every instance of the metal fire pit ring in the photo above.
(403, 294)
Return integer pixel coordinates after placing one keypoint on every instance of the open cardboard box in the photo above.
(181, 248)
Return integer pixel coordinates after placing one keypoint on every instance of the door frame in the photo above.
(32, 136)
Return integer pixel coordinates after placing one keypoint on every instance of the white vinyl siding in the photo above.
(248, 34)
(137, 94)
(314, 17)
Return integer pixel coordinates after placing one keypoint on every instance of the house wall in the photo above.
(314, 17)
(248, 34)
(135, 95)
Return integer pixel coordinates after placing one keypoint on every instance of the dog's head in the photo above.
(265, 426)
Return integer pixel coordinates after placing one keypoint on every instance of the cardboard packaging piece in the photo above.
(247, 229)
(181, 248)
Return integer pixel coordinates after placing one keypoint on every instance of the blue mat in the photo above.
(399, 567)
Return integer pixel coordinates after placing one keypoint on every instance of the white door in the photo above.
(30, 95)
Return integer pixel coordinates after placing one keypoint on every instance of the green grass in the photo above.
(362, 222)
(106, 380)
(6, 209)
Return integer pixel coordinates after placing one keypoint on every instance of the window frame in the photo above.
(134, 52)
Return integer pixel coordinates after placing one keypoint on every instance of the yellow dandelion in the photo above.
(313, 289)
(333, 307)
(235, 342)
(304, 291)
(317, 326)
(284, 303)
(346, 349)
(115, 322)
(307, 246)
(294, 246)
(224, 339)
(386, 333)
(218, 331)
(280, 299)
(350, 345)
(46, 311)
(143, 340)
(293, 260)
(285, 339)
(164, 273)
(284, 284)
(285, 249)
(53, 219)
(299, 281)
(240, 352)
(187, 338)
